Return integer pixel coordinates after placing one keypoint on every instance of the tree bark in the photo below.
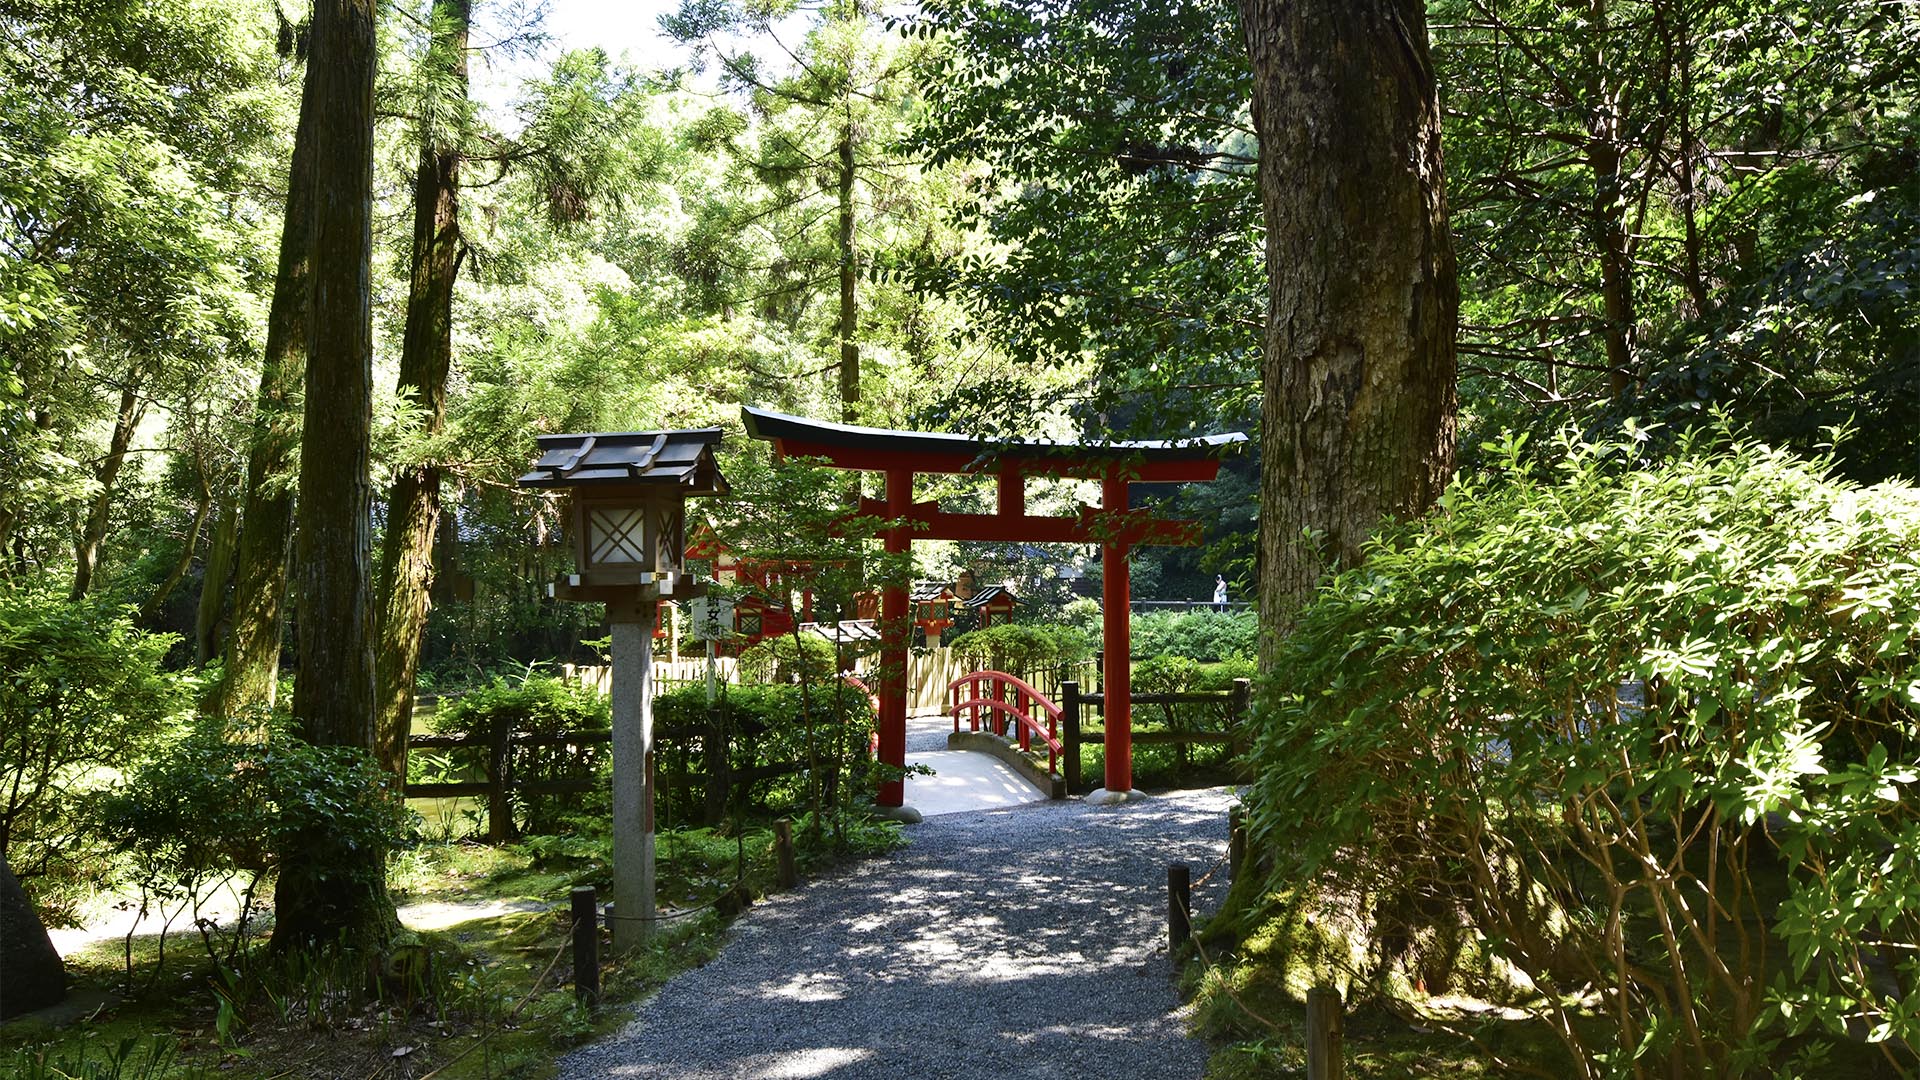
(849, 310)
(1357, 422)
(86, 548)
(1609, 209)
(426, 356)
(202, 508)
(250, 670)
(213, 592)
(330, 894)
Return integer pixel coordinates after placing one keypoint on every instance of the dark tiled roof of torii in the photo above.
(767, 424)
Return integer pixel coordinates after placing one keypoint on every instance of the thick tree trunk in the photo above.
(849, 269)
(251, 669)
(1609, 209)
(329, 894)
(217, 575)
(426, 356)
(202, 509)
(86, 548)
(1357, 423)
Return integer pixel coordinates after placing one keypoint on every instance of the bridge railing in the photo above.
(997, 700)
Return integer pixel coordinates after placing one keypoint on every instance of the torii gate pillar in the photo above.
(894, 638)
(1117, 651)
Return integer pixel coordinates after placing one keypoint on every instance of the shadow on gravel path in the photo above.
(1028, 942)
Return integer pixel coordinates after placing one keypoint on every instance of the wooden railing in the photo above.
(1233, 702)
(997, 700)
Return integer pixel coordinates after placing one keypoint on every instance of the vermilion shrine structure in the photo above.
(900, 455)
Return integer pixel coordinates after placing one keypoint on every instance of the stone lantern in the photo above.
(628, 493)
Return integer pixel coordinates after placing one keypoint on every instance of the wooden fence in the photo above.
(1232, 702)
(496, 762)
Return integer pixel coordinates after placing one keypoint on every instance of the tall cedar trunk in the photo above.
(213, 592)
(1357, 423)
(413, 508)
(849, 312)
(251, 668)
(1604, 152)
(86, 548)
(202, 509)
(330, 893)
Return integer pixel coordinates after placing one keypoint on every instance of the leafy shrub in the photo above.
(1203, 635)
(1648, 730)
(765, 727)
(531, 704)
(222, 806)
(1021, 648)
(82, 694)
(780, 659)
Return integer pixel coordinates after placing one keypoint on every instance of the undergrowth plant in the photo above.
(1646, 732)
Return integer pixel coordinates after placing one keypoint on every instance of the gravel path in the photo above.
(1027, 942)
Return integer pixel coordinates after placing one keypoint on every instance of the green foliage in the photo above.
(136, 139)
(1021, 648)
(228, 801)
(803, 738)
(1666, 207)
(787, 659)
(1204, 635)
(1649, 730)
(1119, 193)
(83, 695)
(532, 704)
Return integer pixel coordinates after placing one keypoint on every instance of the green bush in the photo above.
(82, 695)
(781, 660)
(1204, 635)
(223, 805)
(765, 726)
(1021, 648)
(1648, 731)
(531, 704)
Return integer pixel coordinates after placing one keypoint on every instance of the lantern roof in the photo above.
(682, 461)
(990, 594)
(929, 591)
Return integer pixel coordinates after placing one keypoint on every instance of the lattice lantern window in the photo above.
(629, 492)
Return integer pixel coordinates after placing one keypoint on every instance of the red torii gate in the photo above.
(898, 455)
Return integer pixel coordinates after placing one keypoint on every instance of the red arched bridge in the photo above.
(1019, 717)
(996, 701)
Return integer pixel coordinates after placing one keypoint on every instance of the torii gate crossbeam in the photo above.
(899, 455)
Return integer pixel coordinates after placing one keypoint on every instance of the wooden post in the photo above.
(1239, 700)
(1236, 840)
(1326, 1058)
(586, 946)
(499, 810)
(1070, 733)
(633, 869)
(787, 874)
(1179, 909)
(719, 754)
